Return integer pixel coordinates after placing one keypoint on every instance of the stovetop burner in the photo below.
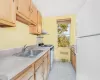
(46, 45)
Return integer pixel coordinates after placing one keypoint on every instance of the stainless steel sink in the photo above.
(30, 53)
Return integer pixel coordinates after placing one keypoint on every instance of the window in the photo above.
(63, 33)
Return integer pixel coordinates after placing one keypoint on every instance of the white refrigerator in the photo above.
(88, 41)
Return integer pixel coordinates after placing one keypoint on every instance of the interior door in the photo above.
(24, 7)
(7, 10)
(88, 58)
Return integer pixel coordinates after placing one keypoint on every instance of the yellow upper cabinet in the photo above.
(7, 13)
(38, 28)
(33, 29)
(24, 7)
(23, 10)
(33, 14)
(26, 12)
(39, 23)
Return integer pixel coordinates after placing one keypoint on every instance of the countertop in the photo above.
(12, 65)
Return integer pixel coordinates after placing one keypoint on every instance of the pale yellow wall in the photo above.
(18, 36)
(50, 25)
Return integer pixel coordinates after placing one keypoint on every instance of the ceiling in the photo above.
(58, 7)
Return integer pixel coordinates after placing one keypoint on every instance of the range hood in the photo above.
(44, 32)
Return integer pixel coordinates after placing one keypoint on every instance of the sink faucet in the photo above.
(24, 48)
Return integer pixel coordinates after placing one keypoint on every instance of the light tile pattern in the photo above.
(62, 71)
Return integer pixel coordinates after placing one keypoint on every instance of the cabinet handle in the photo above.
(30, 9)
(17, 7)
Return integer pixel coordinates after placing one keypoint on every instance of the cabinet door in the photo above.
(39, 29)
(13, 12)
(48, 62)
(36, 29)
(39, 23)
(45, 68)
(7, 12)
(33, 29)
(33, 15)
(73, 57)
(24, 7)
(27, 75)
(39, 18)
(39, 73)
(74, 61)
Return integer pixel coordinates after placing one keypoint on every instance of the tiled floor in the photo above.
(62, 71)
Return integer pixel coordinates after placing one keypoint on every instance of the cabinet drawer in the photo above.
(45, 56)
(38, 63)
(33, 14)
(25, 75)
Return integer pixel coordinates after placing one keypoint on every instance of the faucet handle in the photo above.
(25, 45)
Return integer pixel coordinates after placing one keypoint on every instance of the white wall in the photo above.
(88, 49)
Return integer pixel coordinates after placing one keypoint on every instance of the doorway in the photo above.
(64, 39)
